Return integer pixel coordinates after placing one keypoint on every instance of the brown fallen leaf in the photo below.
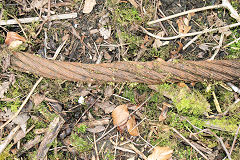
(163, 114)
(161, 153)
(180, 46)
(183, 25)
(131, 126)
(88, 6)
(120, 116)
(96, 129)
(37, 99)
(14, 40)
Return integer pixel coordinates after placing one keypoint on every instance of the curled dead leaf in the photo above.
(161, 153)
(183, 25)
(120, 116)
(13, 36)
(131, 126)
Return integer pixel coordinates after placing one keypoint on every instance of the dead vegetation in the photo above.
(43, 118)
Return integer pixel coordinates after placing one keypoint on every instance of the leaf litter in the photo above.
(93, 34)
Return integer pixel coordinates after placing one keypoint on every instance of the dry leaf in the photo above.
(106, 106)
(96, 129)
(161, 153)
(158, 43)
(4, 88)
(108, 91)
(5, 85)
(38, 3)
(105, 33)
(163, 114)
(213, 20)
(180, 46)
(19, 135)
(183, 25)
(133, 3)
(120, 116)
(37, 99)
(88, 6)
(13, 36)
(131, 126)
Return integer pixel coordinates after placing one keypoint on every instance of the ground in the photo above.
(189, 108)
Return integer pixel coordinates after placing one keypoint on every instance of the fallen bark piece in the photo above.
(29, 145)
(50, 135)
(152, 72)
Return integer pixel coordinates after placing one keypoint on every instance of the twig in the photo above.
(234, 140)
(234, 88)
(95, 146)
(186, 12)
(23, 104)
(34, 19)
(192, 40)
(218, 47)
(219, 140)
(190, 34)
(115, 149)
(137, 151)
(186, 140)
(60, 48)
(225, 4)
(215, 100)
(7, 140)
(236, 40)
(15, 18)
(123, 149)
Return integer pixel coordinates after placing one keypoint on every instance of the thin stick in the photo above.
(137, 151)
(236, 40)
(190, 42)
(34, 19)
(115, 149)
(190, 34)
(186, 12)
(186, 140)
(23, 104)
(218, 47)
(95, 146)
(234, 140)
(15, 18)
(9, 138)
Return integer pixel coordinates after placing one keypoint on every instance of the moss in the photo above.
(226, 124)
(235, 47)
(81, 129)
(162, 52)
(129, 94)
(126, 15)
(6, 155)
(46, 113)
(80, 144)
(186, 102)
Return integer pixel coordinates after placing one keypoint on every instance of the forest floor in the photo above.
(76, 120)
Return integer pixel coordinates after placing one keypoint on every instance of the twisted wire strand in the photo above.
(153, 72)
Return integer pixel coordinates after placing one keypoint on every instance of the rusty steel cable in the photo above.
(153, 72)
